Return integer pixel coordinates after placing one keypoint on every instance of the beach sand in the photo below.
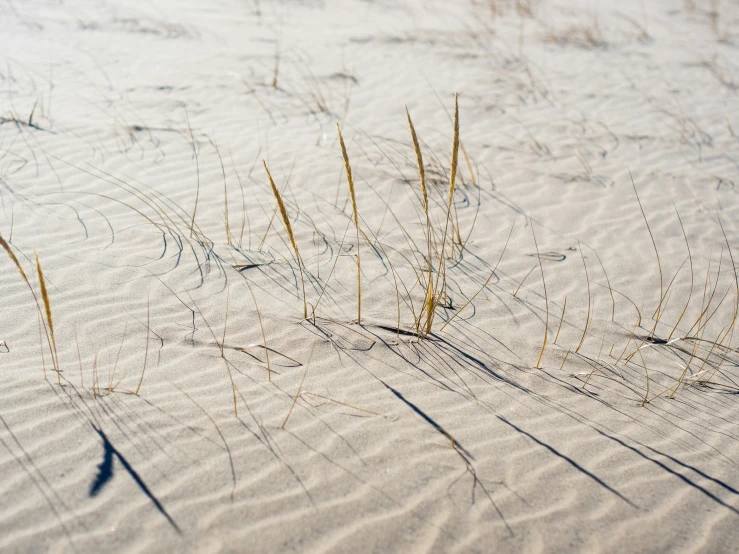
(594, 210)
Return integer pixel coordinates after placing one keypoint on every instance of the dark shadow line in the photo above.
(569, 460)
(136, 477)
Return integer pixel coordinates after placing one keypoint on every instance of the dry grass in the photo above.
(587, 318)
(546, 299)
(48, 322)
(47, 310)
(428, 301)
(291, 236)
(352, 195)
(436, 275)
(437, 292)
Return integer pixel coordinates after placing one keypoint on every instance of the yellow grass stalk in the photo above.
(289, 229)
(546, 300)
(524, 279)
(350, 181)
(429, 300)
(565, 359)
(587, 318)
(19, 267)
(11, 255)
(434, 300)
(47, 309)
(419, 159)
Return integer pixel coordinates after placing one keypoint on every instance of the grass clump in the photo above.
(435, 287)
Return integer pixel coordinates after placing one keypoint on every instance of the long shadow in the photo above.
(680, 476)
(428, 420)
(481, 365)
(458, 448)
(567, 459)
(105, 474)
(611, 435)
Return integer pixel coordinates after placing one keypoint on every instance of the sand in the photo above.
(131, 144)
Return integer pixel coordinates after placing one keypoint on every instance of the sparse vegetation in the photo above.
(509, 318)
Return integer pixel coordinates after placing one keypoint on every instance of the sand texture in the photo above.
(541, 357)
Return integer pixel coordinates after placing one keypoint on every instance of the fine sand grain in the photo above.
(536, 350)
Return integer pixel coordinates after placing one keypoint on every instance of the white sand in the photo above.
(555, 108)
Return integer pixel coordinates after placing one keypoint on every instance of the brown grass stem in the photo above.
(431, 309)
(352, 195)
(49, 318)
(291, 236)
(587, 319)
(546, 299)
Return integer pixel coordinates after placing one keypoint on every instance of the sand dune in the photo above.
(184, 403)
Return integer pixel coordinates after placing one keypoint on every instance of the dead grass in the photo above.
(705, 349)
(439, 290)
(290, 234)
(355, 213)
